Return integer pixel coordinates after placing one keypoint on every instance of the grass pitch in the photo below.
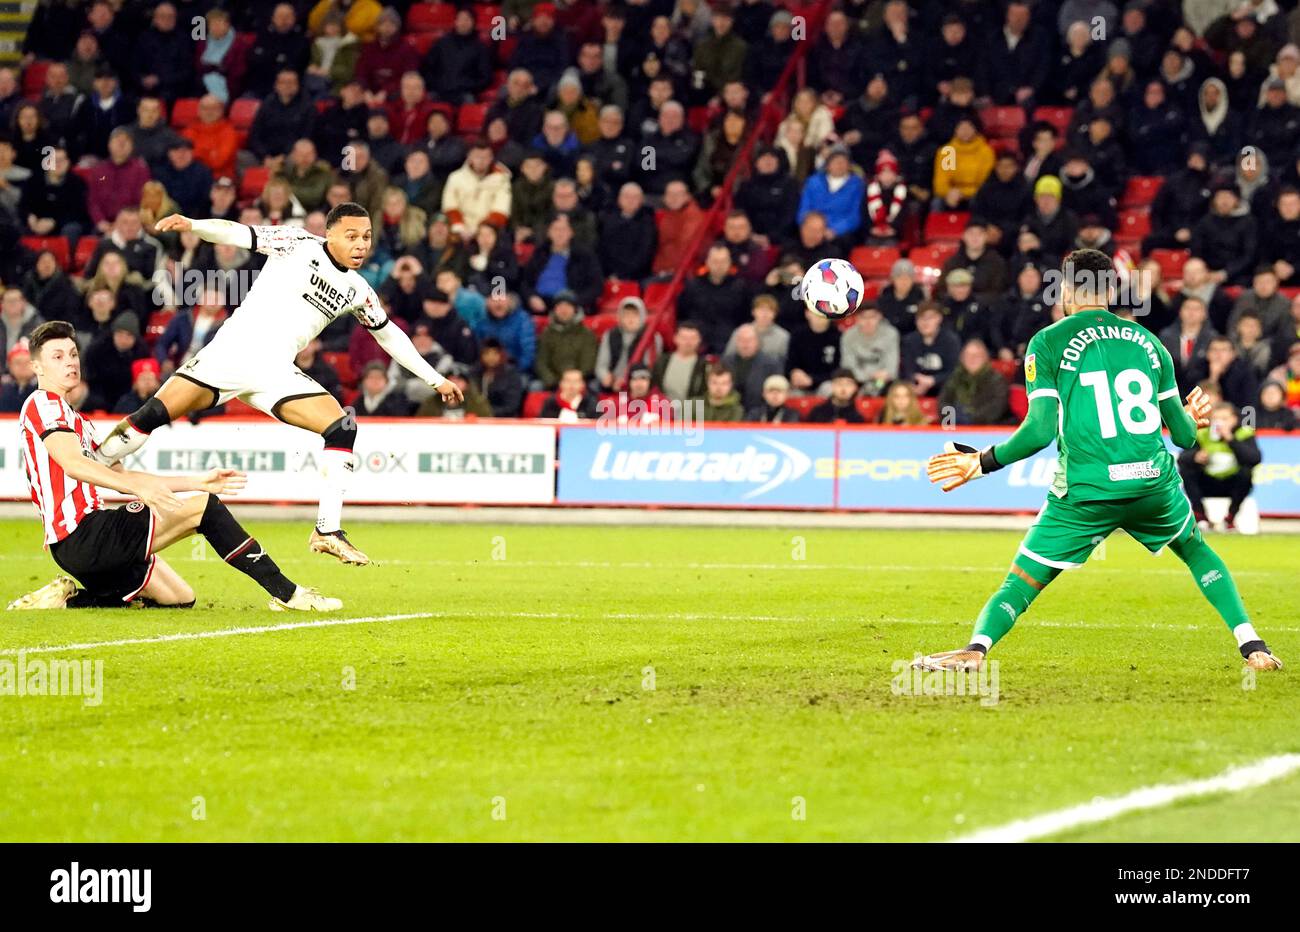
(587, 683)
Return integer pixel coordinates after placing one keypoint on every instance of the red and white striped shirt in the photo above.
(61, 500)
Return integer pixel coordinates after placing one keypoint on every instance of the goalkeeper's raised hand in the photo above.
(1198, 407)
(958, 464)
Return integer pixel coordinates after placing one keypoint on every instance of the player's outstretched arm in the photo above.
(398, 345)
(223, 232)
(370, 314)
(154, 491)
(214, 481)
(959, 463)
(1183, 420)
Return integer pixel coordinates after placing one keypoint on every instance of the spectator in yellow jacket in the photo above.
(961, 165)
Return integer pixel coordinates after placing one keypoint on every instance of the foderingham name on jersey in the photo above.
(1079, 342)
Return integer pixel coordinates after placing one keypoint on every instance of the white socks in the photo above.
(335, 470)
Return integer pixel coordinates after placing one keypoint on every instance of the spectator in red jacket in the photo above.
(216, 141)
(382, 63)
(677, 223)
(117, 181)
(409, 113)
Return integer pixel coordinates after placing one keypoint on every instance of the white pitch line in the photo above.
(218, 633)
(1091, 567)
(610, 616)
(1103, 809)
(791, 565)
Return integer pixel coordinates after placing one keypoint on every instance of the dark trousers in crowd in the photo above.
(1236, 488)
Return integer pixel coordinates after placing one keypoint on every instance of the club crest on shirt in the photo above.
(134, 506)
(1031, 368)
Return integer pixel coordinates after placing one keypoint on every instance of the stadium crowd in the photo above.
(538, 171)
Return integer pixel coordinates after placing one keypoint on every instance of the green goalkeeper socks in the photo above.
(1006, 605)
(1214, 579)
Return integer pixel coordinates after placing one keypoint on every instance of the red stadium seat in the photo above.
(505, 47)
(932, 256)
(185, 111)
(1006, 368)
(1001, 146)
(874, 261)
(34, 79)
(524, 252)
(599, 323)
(930, 408)
(872, 287)
(945, 226)
(804, 404)
(85, 249)
(1018, 401)
(1170, 261)
(1002, 122)
(1133, 224)
(870, 408)
(430, 17)
(470, 118)
(654, 296)
(485, 16)
(615, 291)
(342, 364)
(1059, 117)
(539, 323)
(1141, 191)
(423, 41)
(252, 182)
(533, 402)
(243, 111)
(55, 244)
(697, 119)
(157, 323)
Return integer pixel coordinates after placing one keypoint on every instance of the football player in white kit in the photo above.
(306, 284)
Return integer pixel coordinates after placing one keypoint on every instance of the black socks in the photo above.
(150, 416)
(234, 545)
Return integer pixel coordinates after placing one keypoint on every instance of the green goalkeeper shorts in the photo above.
(1066, 532)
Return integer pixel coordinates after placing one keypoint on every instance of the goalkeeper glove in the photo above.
(959, 463)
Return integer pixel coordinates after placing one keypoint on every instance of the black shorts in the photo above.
(108, 553)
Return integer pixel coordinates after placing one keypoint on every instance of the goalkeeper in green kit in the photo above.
(1101, 387)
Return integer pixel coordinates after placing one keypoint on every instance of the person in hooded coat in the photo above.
(1216, 124)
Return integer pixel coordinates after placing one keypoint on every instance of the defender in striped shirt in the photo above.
(113, 552)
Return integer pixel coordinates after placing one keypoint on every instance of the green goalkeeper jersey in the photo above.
(1109, 376)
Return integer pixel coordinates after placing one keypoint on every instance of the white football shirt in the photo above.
(296, 295)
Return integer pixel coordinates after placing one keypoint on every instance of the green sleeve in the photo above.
(1035, 433)
(1040, 424)
(1181, 426)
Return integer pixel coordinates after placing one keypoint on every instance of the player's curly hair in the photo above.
(1089, 273)
(346, 209)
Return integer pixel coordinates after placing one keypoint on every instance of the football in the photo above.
(832, 288)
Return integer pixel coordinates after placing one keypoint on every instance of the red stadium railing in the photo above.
(662, 316)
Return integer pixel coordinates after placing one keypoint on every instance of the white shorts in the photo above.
(249, 376)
